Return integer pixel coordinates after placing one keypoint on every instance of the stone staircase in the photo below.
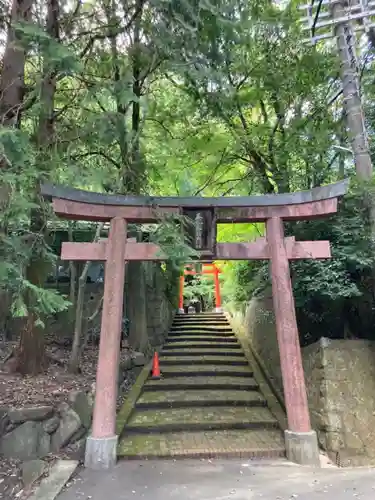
(207, 403)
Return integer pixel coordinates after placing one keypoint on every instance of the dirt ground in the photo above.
(49, 388)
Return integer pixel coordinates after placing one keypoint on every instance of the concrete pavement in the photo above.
(221, 480)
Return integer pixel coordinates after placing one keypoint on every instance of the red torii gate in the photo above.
(300, 439)
(207, 268)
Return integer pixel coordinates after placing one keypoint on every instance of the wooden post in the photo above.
(181, 295)
(102, 444)
(218, 307)
(287, 332)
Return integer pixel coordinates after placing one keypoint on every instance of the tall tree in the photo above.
(31, 352)
(12, 82)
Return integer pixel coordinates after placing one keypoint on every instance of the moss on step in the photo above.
(205, 368)
(131, 398)
(209, 359)
(200, 350)
(225, 346)
(208, 395)
(209, 443)
(201, 338)
(201, 381)
(211, 415)
(202, 328)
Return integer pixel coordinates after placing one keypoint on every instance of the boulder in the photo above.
(82, 405)
(77, 436)
(32, 470)
(26, 442)
(35, 413)
(51, 424)
(126, 364)
(4, 420)
(138, 359)
(77, 450)
(44, 444)
(69, 425)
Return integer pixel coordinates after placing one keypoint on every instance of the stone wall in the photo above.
(340, 381)
(30, 433)
(147, 306)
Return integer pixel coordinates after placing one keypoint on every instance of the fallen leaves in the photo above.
(49, 388)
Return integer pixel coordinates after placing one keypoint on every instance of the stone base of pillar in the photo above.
(181, 311)
(101, 453)
(219, 309)
(302, 448)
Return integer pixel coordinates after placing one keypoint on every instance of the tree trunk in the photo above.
(72, 273)
(75, 354)
(31, 358)
(13, 68)
(31, 353)
(37, 270)
(12, 84)
(91, 318)
(135, 178)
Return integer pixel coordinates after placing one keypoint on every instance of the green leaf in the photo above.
(18, 308)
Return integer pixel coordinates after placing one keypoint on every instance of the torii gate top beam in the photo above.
(83, 205)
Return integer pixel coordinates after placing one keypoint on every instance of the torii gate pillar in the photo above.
(218, 307)
(101, 446)
(300, 441)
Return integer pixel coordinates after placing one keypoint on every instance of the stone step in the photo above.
(204, 313)
(199, 333)
(207, 367)
(198, 352)
(225, 415)
(205, 397)
(201, 321)
(172, 374)
(204, 316)
(200, 324)
(210, 444)
(211, 345)
(191, 419)
(186, 317)
(225, 383)
(203, 338)
(194, 333)
(202, 360)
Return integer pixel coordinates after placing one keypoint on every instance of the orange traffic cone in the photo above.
(155, 367)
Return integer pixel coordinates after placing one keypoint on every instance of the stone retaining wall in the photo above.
(28, 433)
(147, 306)
(340, 381)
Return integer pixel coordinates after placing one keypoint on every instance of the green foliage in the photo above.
(200, 286)
(16, 250)
(334, 295)
(186, 98)
(170, 235)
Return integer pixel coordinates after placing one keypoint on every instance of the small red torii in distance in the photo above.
(207, 268)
